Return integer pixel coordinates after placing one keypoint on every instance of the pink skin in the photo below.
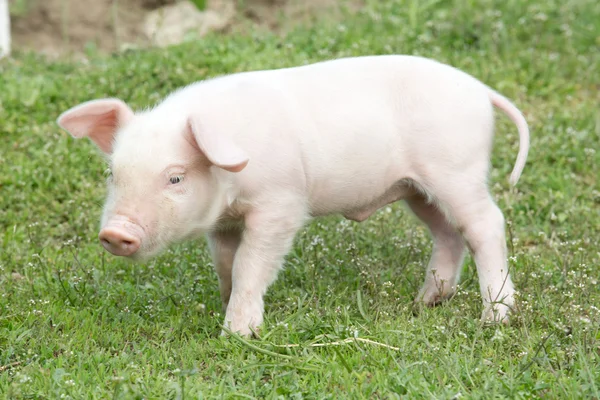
(121, 236)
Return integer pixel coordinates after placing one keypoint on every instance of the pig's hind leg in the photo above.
(443, 269)
(465, 198)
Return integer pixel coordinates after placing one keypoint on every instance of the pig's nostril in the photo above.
(118, 241)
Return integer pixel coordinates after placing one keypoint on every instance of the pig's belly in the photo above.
(358, 203)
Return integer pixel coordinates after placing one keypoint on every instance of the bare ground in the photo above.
(55, 27)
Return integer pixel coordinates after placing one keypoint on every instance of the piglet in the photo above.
(248, 158)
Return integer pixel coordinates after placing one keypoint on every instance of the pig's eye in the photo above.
(174, 180)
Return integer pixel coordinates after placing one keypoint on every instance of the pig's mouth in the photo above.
(122, 237)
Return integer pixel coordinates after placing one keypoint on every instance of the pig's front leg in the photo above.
(268, 236)
(223, 246)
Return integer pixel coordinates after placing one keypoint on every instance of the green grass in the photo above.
(78, 323)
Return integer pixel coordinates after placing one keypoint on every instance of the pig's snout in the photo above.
(119, 242)
(121, 237)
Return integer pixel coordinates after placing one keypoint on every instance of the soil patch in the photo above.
(55, 27)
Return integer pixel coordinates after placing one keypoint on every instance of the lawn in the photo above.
(76, 322)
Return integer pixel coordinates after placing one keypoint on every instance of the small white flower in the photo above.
(498, 335)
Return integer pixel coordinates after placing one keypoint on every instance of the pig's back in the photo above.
(345, 131)
(377, 119)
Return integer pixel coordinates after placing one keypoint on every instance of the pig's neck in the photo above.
(227, 207)
(231, 208)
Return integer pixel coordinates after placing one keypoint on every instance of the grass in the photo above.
(77, 323)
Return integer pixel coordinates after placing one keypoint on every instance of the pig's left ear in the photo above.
(219, 149)
(96, 119)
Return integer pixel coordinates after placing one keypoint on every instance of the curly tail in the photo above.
(517, 117)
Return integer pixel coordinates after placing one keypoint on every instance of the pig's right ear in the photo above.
(97, 120)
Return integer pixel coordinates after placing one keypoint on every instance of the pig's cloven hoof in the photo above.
(433, 296)
(243, 318)
(496, 313)
(247, 333)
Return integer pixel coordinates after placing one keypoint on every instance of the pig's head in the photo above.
(169, 176)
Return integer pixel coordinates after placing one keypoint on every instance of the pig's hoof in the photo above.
(245, 330)
(247, 333)
(496, 313)
(430, 299)
(245, 327)
(243, 317)
(433, 296)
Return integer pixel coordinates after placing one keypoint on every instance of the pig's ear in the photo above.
(96, 119)
(216, 147)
